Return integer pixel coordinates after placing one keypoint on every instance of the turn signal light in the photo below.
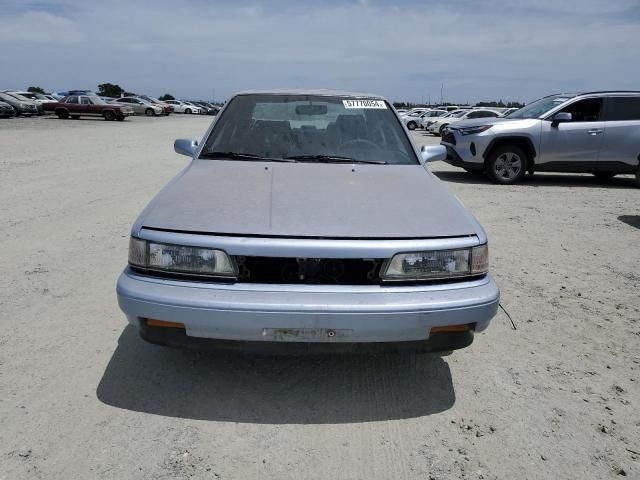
(163, 324)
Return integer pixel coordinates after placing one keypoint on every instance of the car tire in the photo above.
(604, 175)
(149, 112)
(75, 117)
(441, 129)
(507, 164)
(187, 111)
(411, 125)
(109, 115)
(62, 114)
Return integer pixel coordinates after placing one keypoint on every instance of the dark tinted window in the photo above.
(585, 110)
(623, 108)
(72, 100)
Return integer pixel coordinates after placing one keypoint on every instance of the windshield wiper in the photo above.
(243, 156)
(333, 159)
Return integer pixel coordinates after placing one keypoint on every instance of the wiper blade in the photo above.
(334, 159)
(242, 156)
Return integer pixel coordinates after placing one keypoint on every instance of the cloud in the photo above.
(516, 49)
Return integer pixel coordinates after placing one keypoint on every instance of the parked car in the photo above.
(34, 97)
(76, 106)
(307, 220)
(414, 112)
(414, 121)
(401, 111)
(426, 117)
(507, 111)
(437, 125)
(21, 105)
(182, 107)
(449, 108)
(166, 108)
(6, 110)
(207, 108)
(592, 132)
(196, 108)
(140, 106)
(61, 95)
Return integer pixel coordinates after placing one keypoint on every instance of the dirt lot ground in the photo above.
(81, 397)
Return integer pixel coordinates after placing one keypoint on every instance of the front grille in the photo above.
(329, 271)
(449, 137)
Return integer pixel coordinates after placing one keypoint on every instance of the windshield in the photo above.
(17, 96)
(317, 128)
(539, 107)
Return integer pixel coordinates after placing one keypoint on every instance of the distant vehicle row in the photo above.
(77, 103)
(435, 120)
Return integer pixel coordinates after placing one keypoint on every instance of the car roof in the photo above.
(317, 92)
(605, 92)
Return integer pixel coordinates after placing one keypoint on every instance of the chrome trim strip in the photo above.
(309, 248)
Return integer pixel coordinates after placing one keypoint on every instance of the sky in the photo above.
(514, 50)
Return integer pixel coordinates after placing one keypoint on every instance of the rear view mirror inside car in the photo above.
(311, 110)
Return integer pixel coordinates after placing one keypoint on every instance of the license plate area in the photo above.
(305, 334)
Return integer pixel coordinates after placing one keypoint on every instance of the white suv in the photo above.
(595, 132)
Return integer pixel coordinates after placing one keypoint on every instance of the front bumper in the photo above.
(300, 313)
(453, 158)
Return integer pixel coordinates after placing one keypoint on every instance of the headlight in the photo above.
(181, 259)
(474, 130)
(437, 264)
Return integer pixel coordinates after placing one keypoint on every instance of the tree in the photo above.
(110, 90)
(500, 104)
(166, 96)
(35, 90)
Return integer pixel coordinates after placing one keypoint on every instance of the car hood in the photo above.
(308, 200)
(481, 121)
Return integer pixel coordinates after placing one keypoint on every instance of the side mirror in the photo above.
(185, 146)
(433, 153)
(561, 117)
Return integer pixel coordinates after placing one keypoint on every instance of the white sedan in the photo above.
(437, 125)
(182, 107)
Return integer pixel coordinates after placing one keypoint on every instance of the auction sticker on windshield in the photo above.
(364, 104)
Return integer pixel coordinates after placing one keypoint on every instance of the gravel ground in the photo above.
(82, 397)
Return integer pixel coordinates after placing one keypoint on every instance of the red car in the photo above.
(76, 106)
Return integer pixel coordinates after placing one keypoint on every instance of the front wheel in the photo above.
(62, 114)
(187, 111)
(109, 115)
(507, 164)
(149, 112)
(411, 125)
(441, 130)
